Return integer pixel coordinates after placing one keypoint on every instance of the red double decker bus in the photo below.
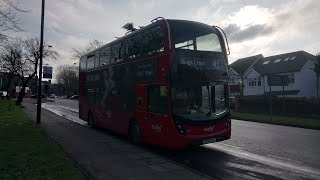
(164, 84)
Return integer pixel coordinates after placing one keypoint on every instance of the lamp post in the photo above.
(40, 65)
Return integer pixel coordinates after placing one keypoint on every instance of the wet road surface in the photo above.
(255, 150)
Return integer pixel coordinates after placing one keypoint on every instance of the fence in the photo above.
(297, 107)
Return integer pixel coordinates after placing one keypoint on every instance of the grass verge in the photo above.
(27, 153)
(279, 120)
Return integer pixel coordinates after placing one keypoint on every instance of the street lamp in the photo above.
(40, 64)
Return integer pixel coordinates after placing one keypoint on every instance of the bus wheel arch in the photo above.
(134, 131)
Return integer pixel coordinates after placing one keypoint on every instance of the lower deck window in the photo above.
(158, 99)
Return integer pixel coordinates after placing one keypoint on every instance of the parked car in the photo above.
(3, 94)
(53, 96)
(74, 97)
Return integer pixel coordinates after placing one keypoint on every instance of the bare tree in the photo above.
(9, 20)
(78, 52)
(317, 71)
(129, 27)
(21, 57)
(67, 76)
(10, 60)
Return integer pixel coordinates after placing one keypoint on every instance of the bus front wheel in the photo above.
(134, 133)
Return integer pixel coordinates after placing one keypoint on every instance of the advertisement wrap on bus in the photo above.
(165, 84)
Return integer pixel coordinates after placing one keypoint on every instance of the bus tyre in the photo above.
(134, 133)
(90, 120)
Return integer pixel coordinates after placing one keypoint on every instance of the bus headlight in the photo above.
(180, 127)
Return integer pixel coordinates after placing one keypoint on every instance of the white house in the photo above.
(298, 66)
(237, 70)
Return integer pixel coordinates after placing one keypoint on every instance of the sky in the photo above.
(252, 26)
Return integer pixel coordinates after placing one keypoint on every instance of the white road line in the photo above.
(281, 163)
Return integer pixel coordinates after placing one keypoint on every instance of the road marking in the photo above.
(281, 163)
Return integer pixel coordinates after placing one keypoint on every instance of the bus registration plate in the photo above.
(207, 141)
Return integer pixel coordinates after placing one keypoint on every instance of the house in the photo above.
(11, 83)
(297, 66)
(237, 70)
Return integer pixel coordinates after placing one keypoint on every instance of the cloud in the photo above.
(235, 34)
(285, 27)
(253, 27)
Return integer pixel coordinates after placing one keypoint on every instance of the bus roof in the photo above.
(125, 36)
(153, 23)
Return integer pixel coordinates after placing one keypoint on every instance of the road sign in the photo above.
(47, 72)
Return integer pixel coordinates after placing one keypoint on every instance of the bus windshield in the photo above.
(199, 72)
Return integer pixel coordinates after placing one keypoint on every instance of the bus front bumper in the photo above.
(184, 141)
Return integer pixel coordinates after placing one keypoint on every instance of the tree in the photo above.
(8, 18)
(67, 77)
(10, 61)
(21, 57)
(317, 71)
(78, 52)
(129, 27)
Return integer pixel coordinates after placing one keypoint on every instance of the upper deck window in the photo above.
(90, 61)
(105, 56)
(194, 36)
(149, 41)
(83, 63)
(153, 40)
(116, 53)
(146, 42)
(97, 60)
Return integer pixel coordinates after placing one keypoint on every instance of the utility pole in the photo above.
(40, 65)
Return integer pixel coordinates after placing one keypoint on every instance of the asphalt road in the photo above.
(255, 150)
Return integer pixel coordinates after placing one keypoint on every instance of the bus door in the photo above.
(157, 111)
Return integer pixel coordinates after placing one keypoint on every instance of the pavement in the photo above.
(255, 150)
(103, 155)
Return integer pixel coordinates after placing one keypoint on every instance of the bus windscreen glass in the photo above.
(199, 72)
